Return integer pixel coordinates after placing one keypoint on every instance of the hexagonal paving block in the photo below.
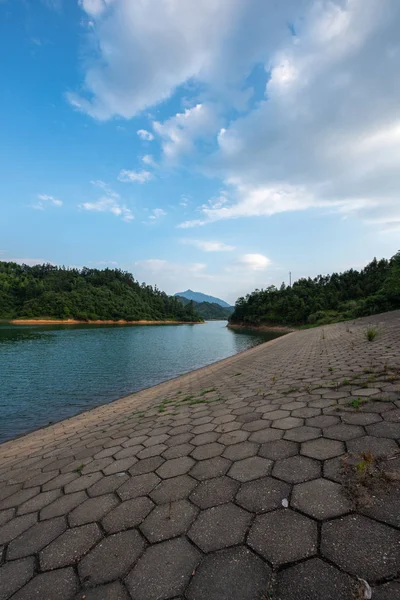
(377, 446)
(306, 412)
(6, 515)
(250, 468)
(147, 465)
(233, 437)
(220, 527)
(314, 580)
(155, 440)
(127, 515)
(121, 465)
(262, 495)
(275, 415)
(320, 498)
(266, 435)
(387, 591)
(61, 584)
(231, 574)
(283, 536)
(169, 520)
(151, 451)
(322, 421)
(111, 558)
(362, 547)
(213, 492)
(249, 417)
(163, 571)
(212, 467)
(138, 486)
(256, 425)
(287, 423)
(173, 489)
(241, 450)
(109, 591)
(302, 434)
(92, 510)
(15, 527)
(70, 547)
(204, 438)
(296, 469)
(278, 450)
(62, 505)
(178, 451)
(360, 418)
(175, 466)
(107, 484)
(392, 415)
(322, 448)
(207, 451)
(38, 502)
(83, 482)
(385, 429)
(343, 432)
(19, 497)
(384, 505)
(35, 538)
(14, 575)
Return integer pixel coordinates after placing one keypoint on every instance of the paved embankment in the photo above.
(271, 475)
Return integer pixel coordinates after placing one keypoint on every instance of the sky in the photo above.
(214, 145)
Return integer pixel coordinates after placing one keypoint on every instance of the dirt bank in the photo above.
(97, 322)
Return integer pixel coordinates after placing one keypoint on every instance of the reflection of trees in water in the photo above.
(22, 334)
(244, 339)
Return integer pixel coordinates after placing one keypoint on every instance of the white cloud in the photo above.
(95, 8)
(208, 246)
(148, 159)
(253, 262)
(44, 201)
(106, 263)
(145, 135)
(134, 176)
(157, 213)
(179, 133)
(143, 55)
(328, 133)
(190, 223)
(109, 205)
(167, 271)
(31, 262)
(325, 135)
(104, 186)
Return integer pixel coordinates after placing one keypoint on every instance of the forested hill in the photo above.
(325, 299)
(84, 294)
(208, 310)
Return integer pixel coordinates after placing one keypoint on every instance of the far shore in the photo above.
(277, 328)
(97, 322)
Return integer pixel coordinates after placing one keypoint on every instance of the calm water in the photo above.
(48, 373)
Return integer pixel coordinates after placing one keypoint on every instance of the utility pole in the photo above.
(290, 278)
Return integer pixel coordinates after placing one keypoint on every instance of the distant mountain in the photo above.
(208, 310)
(199, 297)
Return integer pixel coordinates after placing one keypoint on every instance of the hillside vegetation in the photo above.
(326, 298)
(84, 294)
(208, 310)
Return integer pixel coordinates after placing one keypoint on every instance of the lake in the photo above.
(48, 373)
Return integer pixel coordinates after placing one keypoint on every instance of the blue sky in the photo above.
(215, 145)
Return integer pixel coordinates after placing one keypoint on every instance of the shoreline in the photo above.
(277, 328)
(98, 322)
